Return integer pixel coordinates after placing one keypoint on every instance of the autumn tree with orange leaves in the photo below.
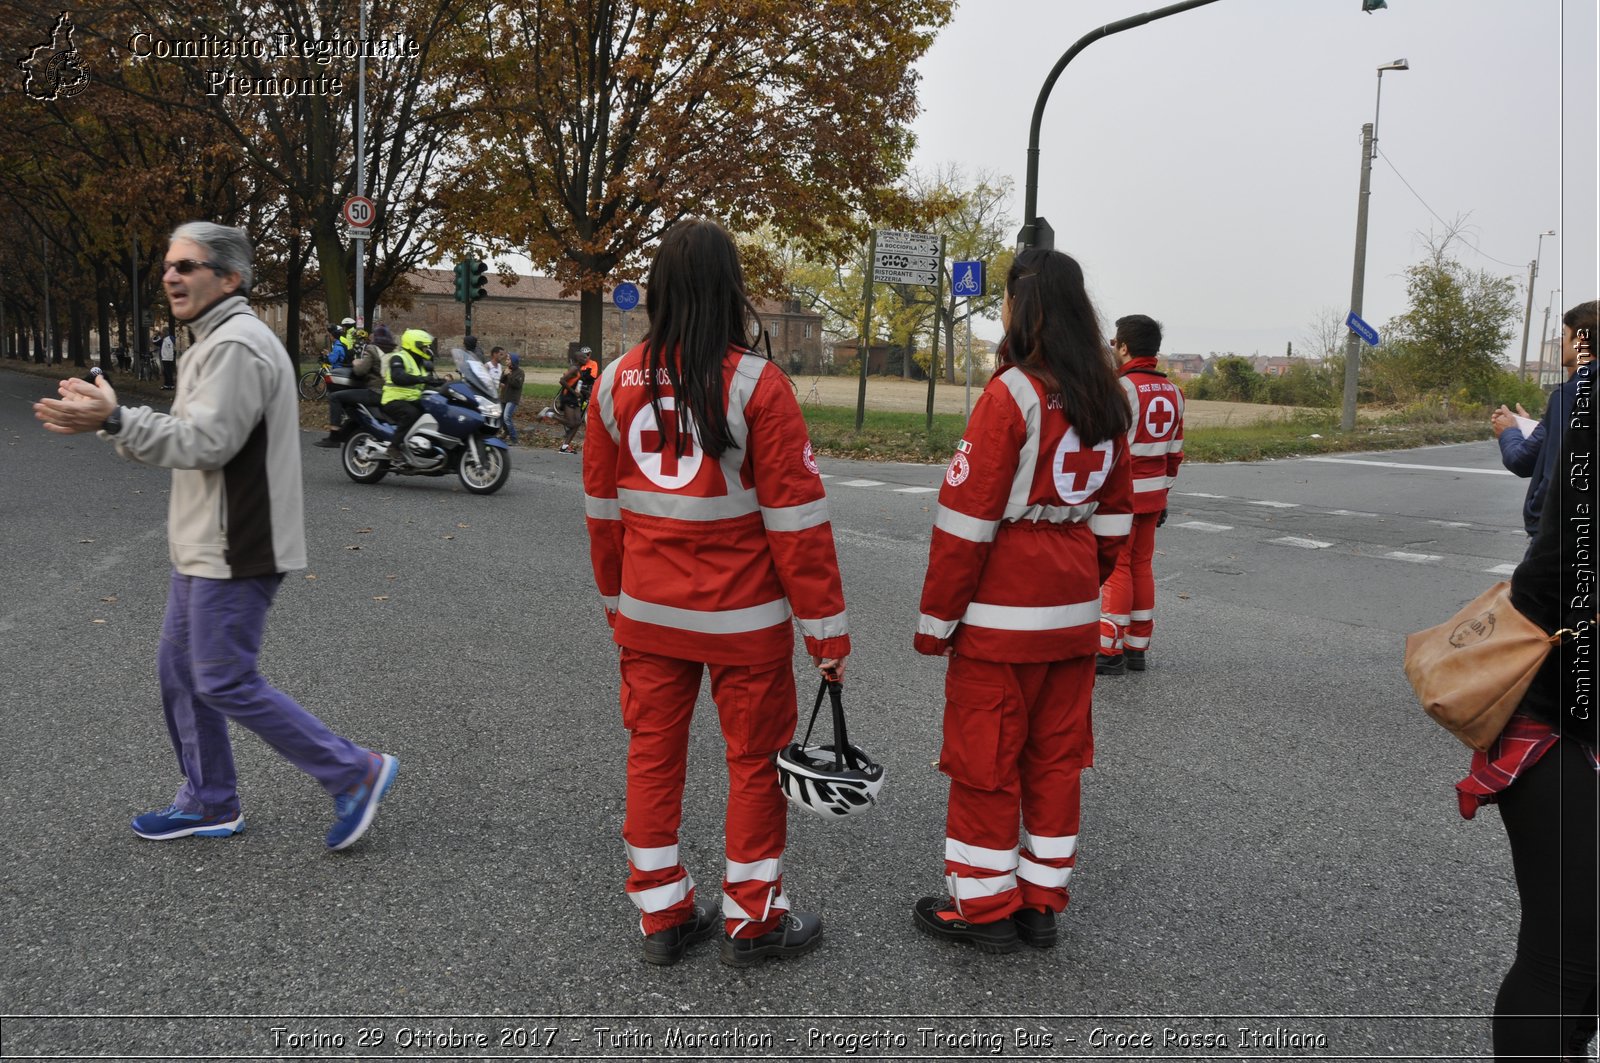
(600, 123)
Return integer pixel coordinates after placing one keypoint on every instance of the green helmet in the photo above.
(419, 342)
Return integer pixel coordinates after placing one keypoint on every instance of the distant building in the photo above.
(532, 317)
(1274, 365)
(1182, 366)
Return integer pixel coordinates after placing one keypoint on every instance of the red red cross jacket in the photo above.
(701, 559)
(1029, 525)
(1156, 437)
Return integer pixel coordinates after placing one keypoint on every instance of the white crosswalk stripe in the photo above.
(1501, 570)
(1304, 544)
(1204, 526)
(1401, 555)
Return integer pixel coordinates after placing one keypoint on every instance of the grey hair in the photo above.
(228, 247)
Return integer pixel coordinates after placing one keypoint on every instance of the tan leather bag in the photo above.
(1471, 671)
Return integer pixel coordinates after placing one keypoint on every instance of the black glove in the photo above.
(1161, 519)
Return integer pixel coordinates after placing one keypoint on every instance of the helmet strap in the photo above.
(841, 740)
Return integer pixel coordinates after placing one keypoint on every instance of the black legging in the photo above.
(1550, 818)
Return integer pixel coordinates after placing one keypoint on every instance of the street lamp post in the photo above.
(1527, 315)
(1358, 275)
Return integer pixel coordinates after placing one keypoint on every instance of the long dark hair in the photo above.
(698, 307)
(1055, 336)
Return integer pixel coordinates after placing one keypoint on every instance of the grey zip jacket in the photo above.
(232, 442)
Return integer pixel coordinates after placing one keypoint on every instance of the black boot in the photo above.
(938, 916)
(796, 934)
(1136, 662)
(1035, 927)
(666, 947)
(1104, 665)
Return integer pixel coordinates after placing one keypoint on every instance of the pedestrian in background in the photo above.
(708, 529)
(572, 401)
(1155, 442)
(511, 394)
(1035, 507)
(365, 387)
(1544, 770)
(235, 525)
(169, 379)
(1532, 455)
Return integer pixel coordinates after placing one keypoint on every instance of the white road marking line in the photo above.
(1274, 505)
(860, 483)
(1349, 513)
(1205, 526)
(1501, 570)
(914, 490)
(825, 475)
(1406, 465)
(1198, 494)
(1450, 523)
(1304, 544)
(1401, 555)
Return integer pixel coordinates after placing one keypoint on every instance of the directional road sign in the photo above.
(1362, 329)
(906, 258)
(968, 280)
(625, 296)
(360, 212)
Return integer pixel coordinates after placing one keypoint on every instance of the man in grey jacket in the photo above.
(235, 525)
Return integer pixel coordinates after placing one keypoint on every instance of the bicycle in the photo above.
(314, 382)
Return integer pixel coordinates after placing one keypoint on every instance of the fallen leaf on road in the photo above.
(391, 577)
(311, 575)
(86, 540)
(109, 598)
(352, 548)
(362, 531)
(1185, 597)
(380, 597)
(97, 621)
(463, 525)
(449, 536)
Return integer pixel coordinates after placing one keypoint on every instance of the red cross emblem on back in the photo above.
(1159, 416)
(1079, 471)
(665, 443)
(654, 445)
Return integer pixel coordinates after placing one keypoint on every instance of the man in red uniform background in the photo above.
(1156, 444)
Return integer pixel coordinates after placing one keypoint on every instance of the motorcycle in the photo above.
(458, 433)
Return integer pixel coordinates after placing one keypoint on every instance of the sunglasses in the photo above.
(186, 266)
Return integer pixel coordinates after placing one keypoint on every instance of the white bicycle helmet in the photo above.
(833, 780)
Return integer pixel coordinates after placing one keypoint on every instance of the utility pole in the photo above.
(864, 349)
(933, 353)
(1527, 314)
(361, 162)
(1358, 279)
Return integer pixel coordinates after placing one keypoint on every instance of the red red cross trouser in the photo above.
(1016, 738)
(1128, 599)
(756, 705)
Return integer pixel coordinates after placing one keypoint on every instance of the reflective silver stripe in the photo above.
(745, 376)
(965, 527)
(1047, 848)
(769, 870)
(1051, 878)
(659, 898)
(601, 508)
(706, 622)
(967, 887)
(1130, 389)
(1055, 514)
(1020, 387)
(932, 625)
(604, 388)
(978, 856)
(1153, 450)
(1118, 618)
(795, 518)
(657, 859)
(1137, 642)
(687, 507)
(1031, 617)
(1111, 523)
(1171, 480)
(829, 627)
(1152, 483)
(1143, 614)
(731, 909)
(609, 601)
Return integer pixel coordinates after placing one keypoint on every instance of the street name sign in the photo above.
(1362, 329)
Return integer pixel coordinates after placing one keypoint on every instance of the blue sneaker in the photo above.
(356, 808)
(174, 822)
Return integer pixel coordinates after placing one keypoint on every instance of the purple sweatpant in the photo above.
(210, 640)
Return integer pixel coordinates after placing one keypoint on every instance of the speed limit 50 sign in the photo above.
(360, 212)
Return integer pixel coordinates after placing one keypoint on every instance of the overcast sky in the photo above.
(1205, 168)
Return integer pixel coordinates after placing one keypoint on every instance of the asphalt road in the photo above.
(1270, 836)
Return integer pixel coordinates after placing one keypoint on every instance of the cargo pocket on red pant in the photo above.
(972, 731)
(756, 706)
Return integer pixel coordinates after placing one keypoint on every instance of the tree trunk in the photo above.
(102, 309)
(330, 259)
(591, 322)
(78, 334)
(949, 342)
(292, 291)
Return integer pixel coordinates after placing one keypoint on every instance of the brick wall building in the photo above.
(531, 317)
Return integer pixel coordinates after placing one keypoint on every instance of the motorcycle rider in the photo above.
(405, 373)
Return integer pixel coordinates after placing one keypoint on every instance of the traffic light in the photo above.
(478, 279)
(462, 271)
(1369, 6)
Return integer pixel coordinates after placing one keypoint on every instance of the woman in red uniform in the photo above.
(709, 531)
(1036, 504)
